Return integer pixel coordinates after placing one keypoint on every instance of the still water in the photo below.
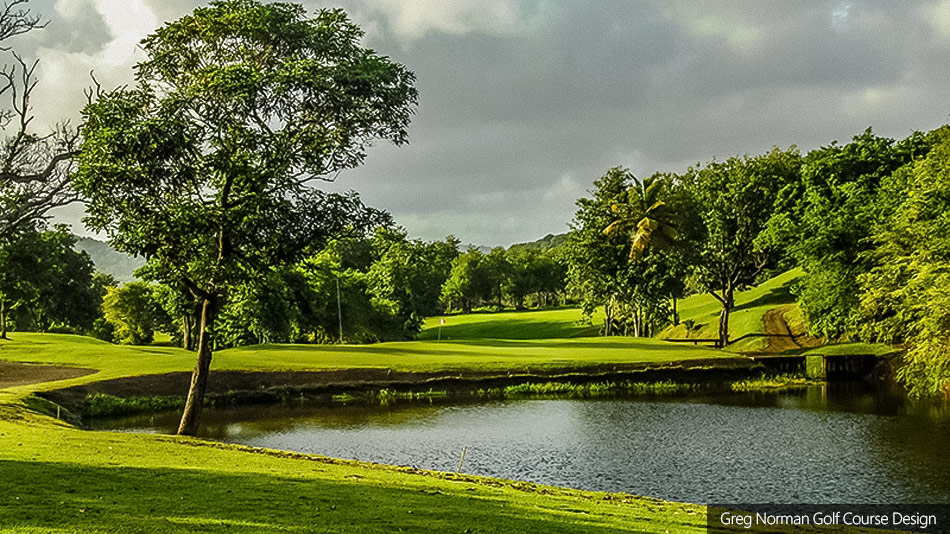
(841, 444)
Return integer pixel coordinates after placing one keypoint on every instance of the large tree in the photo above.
(735, 199)
(205, 167)
(598, 264)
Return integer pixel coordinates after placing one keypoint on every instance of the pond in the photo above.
(842, 443)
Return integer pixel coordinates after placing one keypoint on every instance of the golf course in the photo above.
(65, 479)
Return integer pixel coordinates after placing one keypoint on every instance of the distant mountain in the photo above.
(108, 260)
(547, 242)
(481, 248)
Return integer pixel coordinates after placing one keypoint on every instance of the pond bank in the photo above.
(379, 386)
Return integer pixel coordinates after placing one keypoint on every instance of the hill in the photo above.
(547, 242)
(699, 314)
(528, 324)
(108, 260)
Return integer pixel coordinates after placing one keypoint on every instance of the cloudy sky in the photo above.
(523, 103)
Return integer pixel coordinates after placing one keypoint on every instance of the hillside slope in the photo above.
(699, 314)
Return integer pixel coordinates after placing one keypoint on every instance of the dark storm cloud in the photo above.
(514, 124)
(524, 103)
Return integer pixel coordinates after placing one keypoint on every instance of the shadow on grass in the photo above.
(774, 297)
(81, 498)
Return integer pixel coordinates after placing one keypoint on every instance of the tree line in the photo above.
(867, 221)
(357, 289)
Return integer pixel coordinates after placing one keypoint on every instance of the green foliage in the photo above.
(906, 294)
(735, 200)
(204, 166)
(567, 390)
(539, 275)
(407, 275)
(391, 396)
(104, 405)
(464, 287)
(548, 242)
(632, 272)
(824, 222)
(44, 281)
(132, 312)
(597, 264)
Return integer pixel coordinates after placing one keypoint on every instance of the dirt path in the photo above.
(20, 374)
(780, 336)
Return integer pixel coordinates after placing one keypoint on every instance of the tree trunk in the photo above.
(199, 377)
(186, 341)
(727, 305)
(676, 315)
(3, 318)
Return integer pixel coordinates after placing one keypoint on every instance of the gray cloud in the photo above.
(77, 27)
(524, 103)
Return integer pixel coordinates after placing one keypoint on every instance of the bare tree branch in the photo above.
(34, 169)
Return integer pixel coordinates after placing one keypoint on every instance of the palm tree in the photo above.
(648, 221)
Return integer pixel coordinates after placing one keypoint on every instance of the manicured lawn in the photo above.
(61, 479)
(544, 324)
(115, 361)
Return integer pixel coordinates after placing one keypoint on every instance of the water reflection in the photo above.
(834, 444)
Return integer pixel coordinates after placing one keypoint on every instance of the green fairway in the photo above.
(114, 361)
(542, 324)
(746, 317)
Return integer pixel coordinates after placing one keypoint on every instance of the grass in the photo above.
(485, 355)
(101, 404)
(585, 391)
(63, 479)
(544, 324)
(390, 396)
(702, 311)
(60, 479)
(774, 382)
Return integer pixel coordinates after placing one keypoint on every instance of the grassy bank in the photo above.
(59, 479)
